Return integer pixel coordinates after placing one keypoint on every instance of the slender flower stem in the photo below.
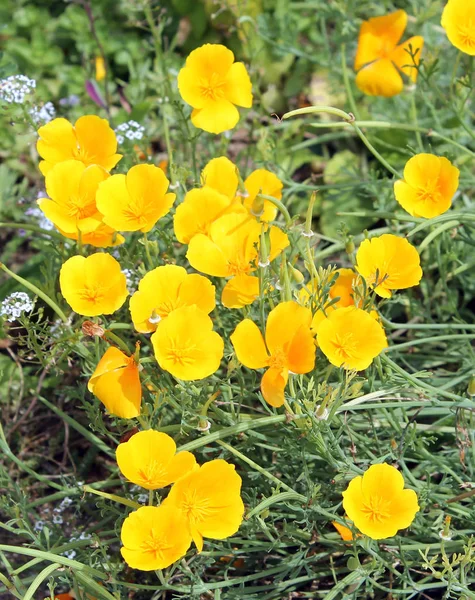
(280, 206)
(117, 340)
(346, 80)
(34, 228)
(113, 497)
(35, 290)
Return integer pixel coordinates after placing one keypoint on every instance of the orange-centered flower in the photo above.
(212, 83)
(90, 140)
(378, 504)
(458, 20)
(288, 346)
(209, 498)
(380, 61)
(428, 187)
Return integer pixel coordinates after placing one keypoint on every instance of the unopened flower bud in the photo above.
(257, 207)
(471, 386)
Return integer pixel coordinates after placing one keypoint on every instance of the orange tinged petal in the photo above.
(407, 56)
(378, 36)
(240, 291)
(273, 385)
(249, 345)
(380, 78)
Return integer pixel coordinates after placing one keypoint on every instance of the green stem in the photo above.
(428, 340)
(147, 251)
(113, 497)
(416, 124)
(280, 206)
(35, 290)
(346, 81)
(34, 228)
(116, 339)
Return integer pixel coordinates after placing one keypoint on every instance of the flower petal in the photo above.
(379, 35)
(273, 385)
(380, 78)
(221, 175)
(407, 56)
(206, 256)
(249, 345)
(240, 291)
(216, 117)
(238, 86)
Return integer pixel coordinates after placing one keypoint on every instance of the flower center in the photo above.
(212, 88)
(345, 345)
(429, 193)
(152, 474)
(466, 31)
(195, 508)
(156, 544)
(83, 155)
(80, 208)
(277, 360)
(376, 509)
(181, 355)
(92, 294)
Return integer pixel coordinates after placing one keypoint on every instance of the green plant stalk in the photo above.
(113, 497)
(34, 228)
(35, 290)
(346, 81)
(430, 340)
(38, 580)
(117, 340)
(280, 206)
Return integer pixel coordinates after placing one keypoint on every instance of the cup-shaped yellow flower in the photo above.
(388, 263)
(165, 289)
(209, 498)
(136, 201)
(240, 291)
(428, 187)
(149, 459)
(212, 83)
(199, 209)
(94, 285)
(186, 346)
(288, 346)
(380, 61)
(262, 181)
(458, 20)
(351, 338)
(116, 383)
(90, 140)
(378, 504)
(154, 537)
(221, 175)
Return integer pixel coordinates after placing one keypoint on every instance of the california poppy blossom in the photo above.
(209, 498)
(90, 140)
(351, 338)
(154, 537)
(458, 20)
(428, 187)
(186, 346)
(262, 181)
(388, 263)
(165, 289)
(212, 83)
(288, 346)
(136, 201)
(94, 285)
(378, 504)
(380, 61)
(116, 383)
(149, 459)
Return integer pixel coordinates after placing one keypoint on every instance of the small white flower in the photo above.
(142, 498)
(65, 502)
(43, 221)
(39, 525)
(15, 305)
(130, 130)
(131, 280)
(70, 554)
(43, 114)
(57, 519)
(85, 536)
(14, 88)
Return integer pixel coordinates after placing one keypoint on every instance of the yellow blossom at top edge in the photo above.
(90, 140)
(428, 187)
(380, 60)
(212, 83)
(378, 504)
(458, 20)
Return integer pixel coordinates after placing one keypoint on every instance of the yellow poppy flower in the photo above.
(240, 291)
(200, 208)
(351, 338)
(212, 83)
(90, 140)
(100, 68)
(458, 20)
(149, 460)
(378, 504)
(116, 383)
(165, 289)
(94, 285)
(390, 262)
(135, 201)
(264, 182)
(221, 175)
(380, 61)
(186, 346)
(209, 498)
(154, 537)
(428, 187)
(288, 346)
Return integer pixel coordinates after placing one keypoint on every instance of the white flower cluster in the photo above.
(15, 305)
(14, 88)
(131, 279)
(43, 114)
(43, 221)
(130, 130)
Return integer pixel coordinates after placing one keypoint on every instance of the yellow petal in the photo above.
(221, 175)
(240, 291)
(407, 56)
(378, 36)
(262, 181)
(273, 385)
(380, 78)
(206, 256)
(283, 322)
(278, 241)
(249, 345)
(458, 18)
(216, 117)
(57, 142)
(238, 86)
(120, 391)
(97, 142)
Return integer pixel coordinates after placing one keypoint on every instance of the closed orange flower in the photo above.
(288, 346)
(350, 338)
(380, 61)
(165, 289)
(186, 346)
(154, 537)
(458, 20)
(212, 83)
(136, 201)
(94, 285)
(116, 383)
(209, 498)
(428, 187)
(90, 140)
(378, 504)
(262, 181)
(345, 532)
(149, 460)
(388, 263)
